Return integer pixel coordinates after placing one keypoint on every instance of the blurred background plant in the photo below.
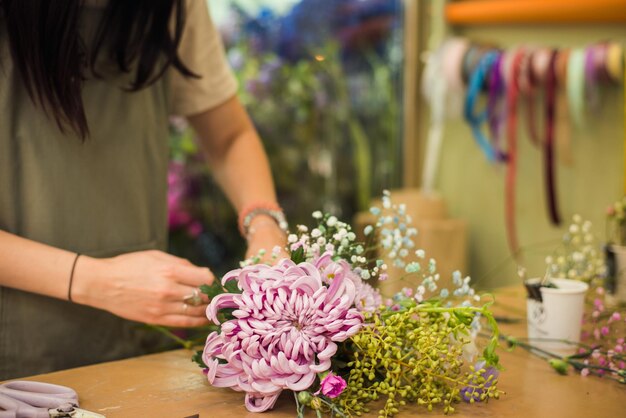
(616, 222)
(321, 80)
(580, 256)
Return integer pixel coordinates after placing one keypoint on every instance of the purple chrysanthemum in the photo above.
(285, 330)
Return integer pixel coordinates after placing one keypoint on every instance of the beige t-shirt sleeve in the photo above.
(202, 51)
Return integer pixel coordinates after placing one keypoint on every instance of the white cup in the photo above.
(558, 316)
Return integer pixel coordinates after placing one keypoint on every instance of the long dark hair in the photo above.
(52, 58)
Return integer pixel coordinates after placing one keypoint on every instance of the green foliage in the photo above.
(197, 358)
(216, 288)
(212, 290)
(559, 365)
(298, 256)
(231, 286)
(489, 354)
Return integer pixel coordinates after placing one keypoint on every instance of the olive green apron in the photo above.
(103, 197)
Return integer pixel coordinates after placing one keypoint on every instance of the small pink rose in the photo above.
(332, 386)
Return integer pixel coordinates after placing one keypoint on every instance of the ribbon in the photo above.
(550, 170)
(452, 62)
(532, 77)
(564, 137)
(512, 94)
(528, 86)
(576, 86)
(495, 105)
(591, 78)
(476, 81)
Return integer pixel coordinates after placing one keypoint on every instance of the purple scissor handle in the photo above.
(24, 399)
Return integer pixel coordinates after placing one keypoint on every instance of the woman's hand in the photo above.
(145, 286)
(265, 234)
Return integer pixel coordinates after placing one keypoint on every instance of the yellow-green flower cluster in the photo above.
(415, 356)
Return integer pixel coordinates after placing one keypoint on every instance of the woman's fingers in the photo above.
(192, 275)
(178, 293)
(152, 286)
(184, 321)
(196, 311)
(172, 258)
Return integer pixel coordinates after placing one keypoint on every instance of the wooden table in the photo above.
(170, 385)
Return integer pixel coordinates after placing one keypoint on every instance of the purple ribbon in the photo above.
(495, 105)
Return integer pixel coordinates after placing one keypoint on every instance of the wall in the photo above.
(474, 188)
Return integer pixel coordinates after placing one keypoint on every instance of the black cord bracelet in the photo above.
(69, 288)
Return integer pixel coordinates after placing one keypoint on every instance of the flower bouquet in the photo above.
(314, 324)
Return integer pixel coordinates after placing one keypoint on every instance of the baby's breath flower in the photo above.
(456, 278)
(413, 267)
(578, 257)
(432, 265)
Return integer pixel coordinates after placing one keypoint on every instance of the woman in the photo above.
(86, 88)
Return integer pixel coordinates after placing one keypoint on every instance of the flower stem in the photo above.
(165, 331)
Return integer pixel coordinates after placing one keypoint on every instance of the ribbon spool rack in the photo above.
(545, 81)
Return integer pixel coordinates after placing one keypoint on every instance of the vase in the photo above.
(555, 315)
(616, 273)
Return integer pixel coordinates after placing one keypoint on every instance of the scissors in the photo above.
(23, 399)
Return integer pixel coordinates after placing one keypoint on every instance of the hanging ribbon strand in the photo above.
(476, 82)
(576, 86)
(496, 106)
(442, 94)
(511, 134)
(550, 172)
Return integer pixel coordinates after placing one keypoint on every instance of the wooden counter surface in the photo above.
(169, 385)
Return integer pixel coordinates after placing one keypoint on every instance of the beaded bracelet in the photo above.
(264, 208)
